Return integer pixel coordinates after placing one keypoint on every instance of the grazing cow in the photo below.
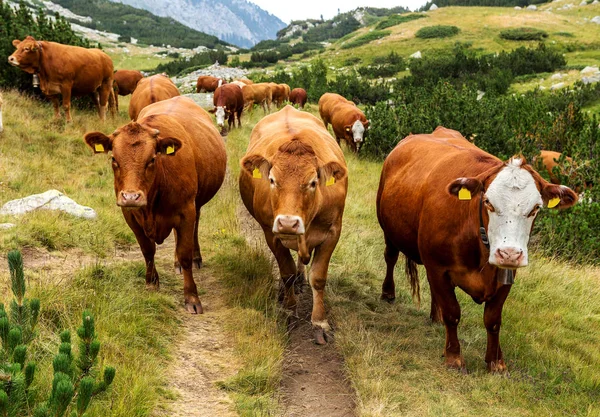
(286, 95)
(208, 83)
(67, 71)
(229, 102)
(348, 121)
(1, 126)
(277, 93)
(257, 94)
(151, 90)
(466, 216)
(294, 183)
(166, 166)
(125, 83)
(550, 160)
(298, 96)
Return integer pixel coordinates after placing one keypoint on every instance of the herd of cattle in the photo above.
(444, 203)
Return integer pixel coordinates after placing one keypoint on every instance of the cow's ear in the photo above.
(347, 128)
(98, 141)
(16, 43)
(168, 146)
(558, 196)
(213, 110)
(256, 165)
(332, 170)
(464, 188)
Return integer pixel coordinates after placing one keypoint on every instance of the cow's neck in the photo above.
(43, 68)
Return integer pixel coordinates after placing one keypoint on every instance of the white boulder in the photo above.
(557, 86)
(532, 7)
(50, 200)
(433, 7)
(416, 55)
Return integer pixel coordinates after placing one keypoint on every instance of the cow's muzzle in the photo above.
(131, 199)
(288, 225)
(13, 61)
(509, 257)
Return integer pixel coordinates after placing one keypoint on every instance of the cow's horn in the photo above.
(156, 132)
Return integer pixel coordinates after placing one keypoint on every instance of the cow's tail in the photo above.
(112, 103)
(412, 273)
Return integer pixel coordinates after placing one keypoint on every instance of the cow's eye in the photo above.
(534, 211)
(150, 162)
(272, 181)
(27, 49)
(114, 162)
(488, 205)
(313, 183)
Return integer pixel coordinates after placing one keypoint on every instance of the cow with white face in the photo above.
(348, 121)
(467, 217)
(229, 102)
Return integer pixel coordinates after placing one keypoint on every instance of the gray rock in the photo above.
(433, 7)
(596, 20)
(416, 55)
(590, 70)
(557, 86)
(517, 8)
(591, 79)
(6, 226)
(532, 7)
(50, 200)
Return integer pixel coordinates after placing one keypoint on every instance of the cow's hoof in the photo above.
(497, 367)
(198, 262)
(390, 298)
(178, 269)
(194, 307)
(320, 336)
(152, 286)
(456, 362)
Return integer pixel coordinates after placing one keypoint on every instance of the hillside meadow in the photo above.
(550, 333)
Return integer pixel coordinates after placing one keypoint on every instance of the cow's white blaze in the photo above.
(358, 131)
(220, 114)
(514, 196)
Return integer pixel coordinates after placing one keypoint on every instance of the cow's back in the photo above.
(151, 90)
(327, 105)
(182, 118)
(413, 186)
(127, 81)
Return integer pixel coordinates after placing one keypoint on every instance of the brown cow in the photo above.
(151, 90)
(348, 121)
(466, 216)
(67, 71)
(125, 82)
(1, 126)
(167, 165)
(228, 101)
(257, 94)
(298, 96)
(294, 183)
(277, 93)
(286, 95)
(551, 159)
(208, 83)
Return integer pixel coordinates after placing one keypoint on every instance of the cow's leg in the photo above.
(239, 117)
(104, 91)
(96, 99)
(388, 289)
(300, 276)
(65, 91)
(492, 318)
(231, 120)
(56, 105)
(435, 314)
(197, 253)
(317, 279)
(444, 294)
(148, 248)
(185, 252)
(176, 263)
(287, 269)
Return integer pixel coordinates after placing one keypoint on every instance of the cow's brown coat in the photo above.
(151, 90)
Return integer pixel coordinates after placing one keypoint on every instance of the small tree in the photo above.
(74, 383)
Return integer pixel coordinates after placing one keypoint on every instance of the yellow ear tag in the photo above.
(256, 173)
(554, 202)
(464, 194)
(98, 147)
(170, 150)
(330, 181)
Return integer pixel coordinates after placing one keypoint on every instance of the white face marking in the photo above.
(513, 195)
(220, 114)
(357, 131)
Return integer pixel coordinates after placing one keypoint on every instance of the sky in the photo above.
(288, 10)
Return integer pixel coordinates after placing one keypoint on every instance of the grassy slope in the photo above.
(137, 329)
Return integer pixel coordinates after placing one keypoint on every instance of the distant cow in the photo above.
(348, 121)
(551, 159)
(294, 183)
(466, 216)
(66, 71)
(229, 102)
(257, 94)
(151, 90)
(278, 93)
(298, 96)
(166, 166)
(208, 83)
(125, 83)
(1, 126)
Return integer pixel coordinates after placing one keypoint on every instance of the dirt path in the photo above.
(314, 382)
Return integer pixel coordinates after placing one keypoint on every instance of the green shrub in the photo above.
(74, 383)
(383, 66)
(564, 34)
(523, 34)
(351, 61)
(437, 31)
(339, 26)
(366, 38)
(187, 65)
(398, 19)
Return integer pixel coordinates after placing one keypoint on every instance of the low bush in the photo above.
(183, 65)
(366, 38)
(383, 66)
(398, 19)
(523, 34)
(437, 31)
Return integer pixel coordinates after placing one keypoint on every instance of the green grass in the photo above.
(366, 38)
(397, 19)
